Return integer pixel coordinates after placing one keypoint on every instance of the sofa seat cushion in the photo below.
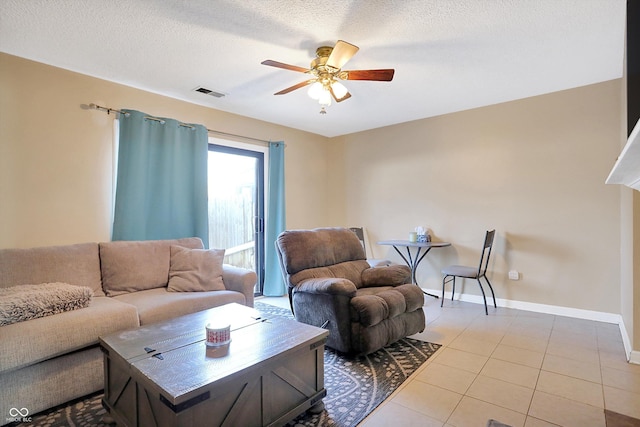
(155, 305)
(30, 342)
(138, 265)
(371, 306)
(27, 302)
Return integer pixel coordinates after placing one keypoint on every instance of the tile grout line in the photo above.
(544, 355)
(477, 374)
(604, 396)
(526, 414)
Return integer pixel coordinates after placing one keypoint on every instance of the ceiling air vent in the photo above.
(209, 92)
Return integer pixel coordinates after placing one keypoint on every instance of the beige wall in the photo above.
(532, 169)
(56, 157)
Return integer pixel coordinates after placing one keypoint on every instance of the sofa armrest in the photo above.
(327, 286)
(391, 275)
(240, 280)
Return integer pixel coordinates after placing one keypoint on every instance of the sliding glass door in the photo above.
(236, 207)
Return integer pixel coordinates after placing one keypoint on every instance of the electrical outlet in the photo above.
(514, 275)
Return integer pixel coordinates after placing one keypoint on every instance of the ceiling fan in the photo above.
(327, 73)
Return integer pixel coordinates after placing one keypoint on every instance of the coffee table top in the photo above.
(135, 343)
(178, 361)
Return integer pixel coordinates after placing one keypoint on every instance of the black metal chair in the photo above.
(454, 271)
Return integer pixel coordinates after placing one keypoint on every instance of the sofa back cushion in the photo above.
(130, 266)
(77, 264)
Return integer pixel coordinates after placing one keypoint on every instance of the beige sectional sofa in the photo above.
(50, 360)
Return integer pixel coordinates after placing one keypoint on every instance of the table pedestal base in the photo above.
(414, 261)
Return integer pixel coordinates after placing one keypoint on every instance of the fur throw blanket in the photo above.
(25, 302)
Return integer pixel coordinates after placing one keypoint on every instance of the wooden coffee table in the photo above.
(164, 374)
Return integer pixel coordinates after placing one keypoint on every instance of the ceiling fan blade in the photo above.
(294, 87)
(341, 53)
(344, 98)
(277, 64)
(375, 75)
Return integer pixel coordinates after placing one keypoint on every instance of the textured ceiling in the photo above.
(448, 55)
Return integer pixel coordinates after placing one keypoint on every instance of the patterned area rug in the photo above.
(355, 386)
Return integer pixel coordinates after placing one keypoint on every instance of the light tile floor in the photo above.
(518, 367)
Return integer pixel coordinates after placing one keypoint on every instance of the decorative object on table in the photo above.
(454, 271)
(332, 286)
(413, 237)
(218, 333)
(350, 397)
(422, 235)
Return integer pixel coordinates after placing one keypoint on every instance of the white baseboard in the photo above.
(632, 356)
(598, 316)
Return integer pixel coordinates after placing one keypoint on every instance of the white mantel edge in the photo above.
(626, 170)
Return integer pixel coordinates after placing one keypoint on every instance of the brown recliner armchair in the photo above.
(331, 285)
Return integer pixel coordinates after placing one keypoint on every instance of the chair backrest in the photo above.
(321, 247)
(486, 252)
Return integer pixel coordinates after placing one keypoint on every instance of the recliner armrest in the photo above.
(327, 285)
(391, 275)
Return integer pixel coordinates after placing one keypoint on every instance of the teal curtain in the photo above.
(273, 282)
(161, 190)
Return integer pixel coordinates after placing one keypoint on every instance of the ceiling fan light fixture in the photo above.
(325, 98)
(326, 73)
(339, 90)
(315, 90)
